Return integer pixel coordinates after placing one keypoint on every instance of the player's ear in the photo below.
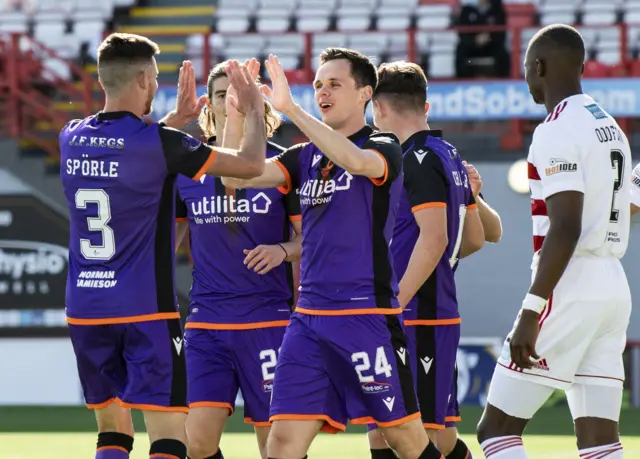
(427, 106)
(366, 94)
(540, 68)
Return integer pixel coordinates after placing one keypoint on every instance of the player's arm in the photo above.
(337, 147)
(473, 235)
(188, 156)
(563, 193)
(635, 190)
(427, 190)
(491, 222)
(264, 258)
(181, 221)
(280, 172)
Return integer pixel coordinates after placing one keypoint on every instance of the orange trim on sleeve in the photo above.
(287, 187)
(99, 406)
(182, 219)
(410, 323)
(330, 426)
(472, 206)
(429, 205)
(163, 456)
(117, 448)
(212, 405)
(434, 426)
(143, 407)
(295, 218)
(257, 424)
(397, 422)
(348, 312)
(124, 320)
(452, 419)
(249, 326)
(381, 180)
(205, 167)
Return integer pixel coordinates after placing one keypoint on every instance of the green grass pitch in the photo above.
(242, 446)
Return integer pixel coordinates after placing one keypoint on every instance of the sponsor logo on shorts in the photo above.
(557, 165)
(267, 386)
(374, 387)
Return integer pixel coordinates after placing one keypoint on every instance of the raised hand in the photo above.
(188, 104)
(280, 93)
(247, 97)
(254, 69)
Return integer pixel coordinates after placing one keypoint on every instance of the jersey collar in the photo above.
(364, 132)
(106, 116)
(420, 137)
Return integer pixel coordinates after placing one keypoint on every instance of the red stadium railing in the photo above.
(512, 138)
(28, 111)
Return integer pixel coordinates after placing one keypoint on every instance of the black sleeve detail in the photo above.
(472, 200)
(388, 146)
(425, 179)
(289, 159)
(292, 203)
(184, 154)
(181, 208)
(275, 147)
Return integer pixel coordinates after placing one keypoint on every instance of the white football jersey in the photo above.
(580, 147)
(635, 186)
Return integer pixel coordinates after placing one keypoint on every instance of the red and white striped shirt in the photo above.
(579, 147)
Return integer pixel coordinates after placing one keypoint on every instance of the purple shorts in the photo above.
(344, 368)
(140, 364)
(219, 362)
(433, 352)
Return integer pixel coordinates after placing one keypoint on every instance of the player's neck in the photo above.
(405, 127)
(555, 97)
(121, 104)
(351, 126)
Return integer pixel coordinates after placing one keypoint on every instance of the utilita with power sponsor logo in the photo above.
(316, 192)
(26, 268)
(228, 209)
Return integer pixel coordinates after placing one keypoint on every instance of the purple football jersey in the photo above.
(221, 225)
(434, 176)
(118, 175)
(347, 223)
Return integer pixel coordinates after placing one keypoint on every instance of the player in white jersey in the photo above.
(635, 190)
(571, 331)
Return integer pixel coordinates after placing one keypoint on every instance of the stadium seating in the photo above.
(244, 28)
(376, 28)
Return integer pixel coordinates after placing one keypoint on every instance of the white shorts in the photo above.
(583, 329)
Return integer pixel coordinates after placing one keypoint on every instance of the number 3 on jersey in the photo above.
(99, 223)
(617, 164)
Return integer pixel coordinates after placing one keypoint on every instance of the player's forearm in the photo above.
(233, 131)
(424, 259)
(491, 222)
(634, 209)
(473, 236)
(293, 248)
(337, 147)
(557, 249)
(174, 120)
(254, 143)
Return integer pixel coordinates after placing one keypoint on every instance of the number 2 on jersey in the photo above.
(99, 223)
(617, 164)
